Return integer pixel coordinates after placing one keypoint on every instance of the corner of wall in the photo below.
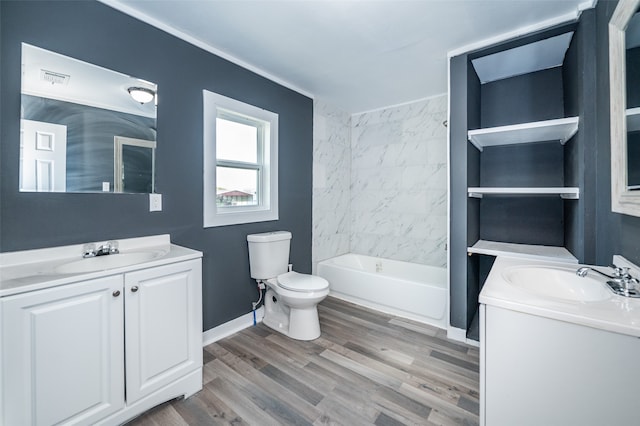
(331, 182)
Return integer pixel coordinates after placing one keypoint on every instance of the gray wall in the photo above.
(95, 33)
(458, 173)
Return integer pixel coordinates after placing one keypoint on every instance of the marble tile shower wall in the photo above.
(331, 180)
(398, 192)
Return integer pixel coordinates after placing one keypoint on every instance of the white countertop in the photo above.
(617, 314)
(29, 270)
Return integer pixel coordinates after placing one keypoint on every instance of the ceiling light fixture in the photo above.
(141, 94)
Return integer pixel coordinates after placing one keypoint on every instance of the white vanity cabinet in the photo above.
(103, 349)
(541, 371)
(551, 357)
(62, 354)
(163, 326)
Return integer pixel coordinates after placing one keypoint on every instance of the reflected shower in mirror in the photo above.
(632, 60)
(81, 130)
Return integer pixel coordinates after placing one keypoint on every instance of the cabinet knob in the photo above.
(134, 289)
(116, 293)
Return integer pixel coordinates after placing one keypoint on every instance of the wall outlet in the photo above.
(155, 202)
(105, 186)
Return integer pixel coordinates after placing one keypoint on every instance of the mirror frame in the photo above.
(622, 200)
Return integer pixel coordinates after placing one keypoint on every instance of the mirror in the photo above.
(82, 129)
(632, 71)
(624, 63)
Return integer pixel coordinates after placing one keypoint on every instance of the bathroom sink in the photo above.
(557, 283)
(101, 263)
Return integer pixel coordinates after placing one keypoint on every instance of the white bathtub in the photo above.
(409, 290)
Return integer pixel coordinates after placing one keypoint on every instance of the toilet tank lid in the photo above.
(267, 237)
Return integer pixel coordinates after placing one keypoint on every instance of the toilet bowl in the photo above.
(291, 304)
(291, 298)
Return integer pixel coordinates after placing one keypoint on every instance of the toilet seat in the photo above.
(295, 281)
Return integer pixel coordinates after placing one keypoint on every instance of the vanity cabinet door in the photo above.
(61, 354)
(163, 332)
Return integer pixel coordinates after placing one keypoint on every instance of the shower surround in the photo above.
(395, 202)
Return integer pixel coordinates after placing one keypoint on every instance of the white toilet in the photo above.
(291, 300)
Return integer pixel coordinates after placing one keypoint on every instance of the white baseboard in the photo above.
(460, 335)
(457, 334)
(231, 327)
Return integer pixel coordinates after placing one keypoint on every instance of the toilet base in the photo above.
(296, 323)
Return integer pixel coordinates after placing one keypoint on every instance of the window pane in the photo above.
(236, 187)
(236, 141)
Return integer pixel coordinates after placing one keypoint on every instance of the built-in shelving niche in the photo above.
(522, 183)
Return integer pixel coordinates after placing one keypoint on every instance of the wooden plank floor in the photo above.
(366, 368)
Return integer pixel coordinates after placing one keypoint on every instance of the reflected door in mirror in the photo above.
(43, 156)
(134, 164)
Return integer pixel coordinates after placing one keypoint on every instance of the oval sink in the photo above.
(557, 283)
(101, 263)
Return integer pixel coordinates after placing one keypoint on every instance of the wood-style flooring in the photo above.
(366, 368)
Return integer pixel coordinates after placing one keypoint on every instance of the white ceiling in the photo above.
(357, 55)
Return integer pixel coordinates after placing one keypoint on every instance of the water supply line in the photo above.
(261, 286)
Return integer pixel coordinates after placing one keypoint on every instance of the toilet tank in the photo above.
(268, 254)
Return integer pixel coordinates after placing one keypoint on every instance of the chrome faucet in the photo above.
(90, 250)
(621, 282)
(582, 272)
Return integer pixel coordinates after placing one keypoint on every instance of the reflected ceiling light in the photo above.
(141, 94)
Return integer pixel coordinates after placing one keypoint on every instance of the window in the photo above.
(240, 162)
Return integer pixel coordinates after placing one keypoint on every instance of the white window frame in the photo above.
(214, 106)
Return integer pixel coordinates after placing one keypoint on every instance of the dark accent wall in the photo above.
(580, 154)
(523, 220)
(531, 164)
(501, 218)
(458, 193)
(542, 89)
(474, 172)
(95, 33)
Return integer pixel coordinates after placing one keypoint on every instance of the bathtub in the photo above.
(408, 290)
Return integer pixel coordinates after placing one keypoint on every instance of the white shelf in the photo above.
(633, 119)
(526, 251)
(561, 130)
(571, 193)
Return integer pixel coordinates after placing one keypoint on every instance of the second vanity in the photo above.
(102, 339)
(556, 348)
